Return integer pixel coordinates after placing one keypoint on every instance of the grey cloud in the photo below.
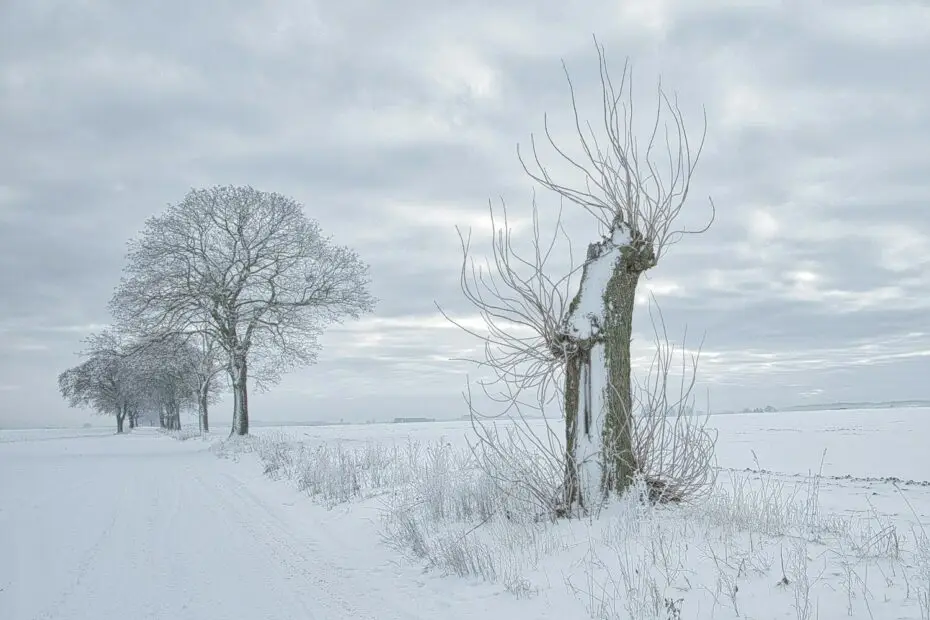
(393, 122)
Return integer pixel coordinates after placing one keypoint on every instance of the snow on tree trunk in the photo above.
(120, 418)
(598, 391)
(240, 396)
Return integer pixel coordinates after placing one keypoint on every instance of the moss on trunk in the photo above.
(619, 299)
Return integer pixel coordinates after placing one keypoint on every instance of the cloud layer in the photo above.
(395, 122)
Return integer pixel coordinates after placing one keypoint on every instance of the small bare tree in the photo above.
(539, 334)
(205, 379)
(188, 364)
(166, 376)
(247, 269)
(105, 381)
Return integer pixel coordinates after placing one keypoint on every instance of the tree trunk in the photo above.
(598, 387)
(120, 418)
(573, 365)
(235, 393)
(240, 396)
(620, 298)
(203, 408)
(175, 420)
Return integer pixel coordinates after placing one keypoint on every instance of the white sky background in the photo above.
(394, 122)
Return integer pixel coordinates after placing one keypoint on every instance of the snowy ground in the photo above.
(97, 526)
(146, 527)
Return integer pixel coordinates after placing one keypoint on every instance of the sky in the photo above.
(393, 123)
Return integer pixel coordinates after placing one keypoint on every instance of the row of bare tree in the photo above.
(230, 281)
(140, 382)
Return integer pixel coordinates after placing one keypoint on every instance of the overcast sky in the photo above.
(392, 122)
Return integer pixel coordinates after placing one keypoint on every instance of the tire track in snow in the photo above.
(238, 524)
(157, 551)
(87, 560)
(290, 549)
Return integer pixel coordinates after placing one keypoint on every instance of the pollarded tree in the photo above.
(540, 334)
(247, 269)
(105, 381)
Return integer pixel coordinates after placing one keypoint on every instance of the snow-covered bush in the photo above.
(764, 504)
(757, 544)
(674, 454)
(233, 447)
(182, 434)
(275, 450)
(524, 466)
(471, 512)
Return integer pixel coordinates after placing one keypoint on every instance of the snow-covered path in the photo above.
(147, 527)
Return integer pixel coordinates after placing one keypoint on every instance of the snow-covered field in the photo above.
(98, 526)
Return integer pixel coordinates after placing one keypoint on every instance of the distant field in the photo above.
(859, 443)
(39, 434)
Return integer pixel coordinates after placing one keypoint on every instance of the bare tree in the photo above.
(673, 447)
(188, 365)
(165, 370)
(248, 270)
(105, 381)
(207, 368)
(539, 334)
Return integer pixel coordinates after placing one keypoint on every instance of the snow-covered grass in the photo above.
(141, 526)
(185, 433)
(812, 516)
(789, 530)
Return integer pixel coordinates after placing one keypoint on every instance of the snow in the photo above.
(588, 445)
(143, 526)
(589, 314)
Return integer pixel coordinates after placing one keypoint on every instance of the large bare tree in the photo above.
(247, 269)
(540, 333)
